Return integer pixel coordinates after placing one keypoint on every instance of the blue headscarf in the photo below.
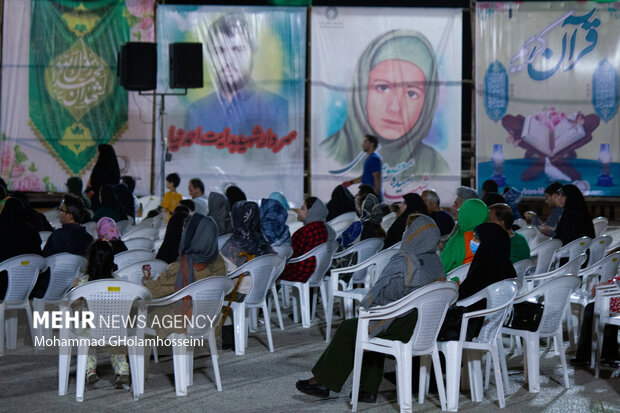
(279, 196)
(273, 222)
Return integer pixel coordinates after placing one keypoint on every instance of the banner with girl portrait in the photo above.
(394, 74)
(547, 76)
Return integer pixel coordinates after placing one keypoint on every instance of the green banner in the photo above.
(76, 102)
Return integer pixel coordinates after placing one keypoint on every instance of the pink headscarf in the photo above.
(107, 229)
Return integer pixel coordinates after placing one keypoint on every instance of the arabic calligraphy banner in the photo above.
(394, 74)
(548, 95)
(246, 125)
(60, 95)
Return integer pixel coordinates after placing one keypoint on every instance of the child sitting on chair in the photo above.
(101, 266)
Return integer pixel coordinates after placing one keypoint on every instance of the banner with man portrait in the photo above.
(246, 125)
(394, 74)
(547, 75)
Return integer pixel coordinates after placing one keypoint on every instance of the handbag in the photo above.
(525, 316)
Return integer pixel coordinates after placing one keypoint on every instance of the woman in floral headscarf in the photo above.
(398, 66)
(108, 231)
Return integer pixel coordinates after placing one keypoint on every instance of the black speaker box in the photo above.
(185, 65)
(137, 66)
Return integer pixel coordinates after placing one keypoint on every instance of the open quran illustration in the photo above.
(551, 141)
(550, 138)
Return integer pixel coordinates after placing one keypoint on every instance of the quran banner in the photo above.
(246, 125)
(60, 94)
(547, 101)
(391, 73)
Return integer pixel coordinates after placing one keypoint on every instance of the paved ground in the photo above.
(261, 381)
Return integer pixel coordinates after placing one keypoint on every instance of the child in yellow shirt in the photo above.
(171, 198)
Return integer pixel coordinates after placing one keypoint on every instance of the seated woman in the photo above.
(109, 205)
(219, 210)
(279, 196)
(273, 217)
(414, 266)
(414, 204)
(108, 231)
(457, 251)
(490, 264)
(198, 258)
(575, 221)
(501, 214)
(369, 224)
(234, 195)
(314, 233)
(169, 250)
(100, 266)
(246, 242)
(341, 202)
(19, 237)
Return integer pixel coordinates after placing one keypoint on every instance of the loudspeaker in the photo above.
(137, 66)
(185, 65)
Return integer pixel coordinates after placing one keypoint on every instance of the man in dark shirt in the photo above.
(371, 175)
(444, 221)
(552, 198)
(72, 237)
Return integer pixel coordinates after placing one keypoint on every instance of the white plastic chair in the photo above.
(375, 264)
(388, 220)
(64, 268)
(571, 250)
(521, 223)
(600, 271)
(602, 316)
(499, 298)
(260, 270)
(323, 254)
(221, 240)
(362, 250)
(91, 228)
(44, 236)
(207, 298)
(544, 253)
(133, 272)
(139, 244)
(530, 233)
(555, 293)
(342, 222)
(123, 227)
(107, 300)
(292, 216)
(598, 247)
(149, 202)
(396, 246)
(294, 226)
(285, 251)
(459, 272)
(600, 225)
(150, 233)
(125, 258)
(432, 302)
(23, 271)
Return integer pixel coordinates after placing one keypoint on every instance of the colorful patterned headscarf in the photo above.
(107, 229)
